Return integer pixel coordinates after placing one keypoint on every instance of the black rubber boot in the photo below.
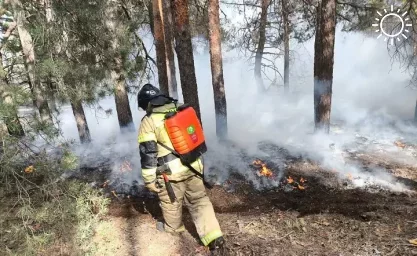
(217, 247)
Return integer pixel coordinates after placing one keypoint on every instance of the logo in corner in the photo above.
(393, 25)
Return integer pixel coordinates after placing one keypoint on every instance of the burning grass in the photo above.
(288, 183)
(296, 184)
(264, 170)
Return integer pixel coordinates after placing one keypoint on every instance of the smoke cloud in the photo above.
(371, 108)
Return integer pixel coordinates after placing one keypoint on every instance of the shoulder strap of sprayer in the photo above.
(172, 100)
(175, 153)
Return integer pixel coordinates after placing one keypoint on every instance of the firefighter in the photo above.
(187, 186)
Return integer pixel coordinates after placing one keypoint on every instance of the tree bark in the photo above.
(216, 61)
(323, 63)
(150, 15)
(285, 19)
(29, 55)
(160, 46)
(124, 113)
(261, 45)
(169, 49)
(82, 126)
(184, 49)
(415, 113)
(50, 17)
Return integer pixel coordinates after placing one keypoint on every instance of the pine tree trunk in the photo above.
(184, 49)
(49, 15)
(160, 46)
(124, 113)
(285, 19)
(82, 126)
(220, 105)
(150, 16)
(261, 46)
(11, 119)
(169, 49)
(323, 64)
(29, 55)
(415, 113)
(51, 88)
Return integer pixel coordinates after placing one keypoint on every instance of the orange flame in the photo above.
(297, 185)
(265, 171)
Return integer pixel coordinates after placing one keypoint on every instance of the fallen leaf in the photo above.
(325, 223)
(301, 187)
(349, 176)
(399, 144)
(413, 241)
(290, 180)
(29, 169)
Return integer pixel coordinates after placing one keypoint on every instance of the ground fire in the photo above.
(296, 184)
(264, 171)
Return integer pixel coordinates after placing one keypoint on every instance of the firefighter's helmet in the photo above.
(146, 94)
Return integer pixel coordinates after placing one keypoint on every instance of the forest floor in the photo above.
(304, 208)
(326, 216)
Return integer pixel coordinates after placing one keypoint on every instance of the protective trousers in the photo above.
(193, 193)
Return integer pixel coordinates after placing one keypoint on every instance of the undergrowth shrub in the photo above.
(42, 214)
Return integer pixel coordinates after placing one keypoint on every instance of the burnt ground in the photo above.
(327, 217)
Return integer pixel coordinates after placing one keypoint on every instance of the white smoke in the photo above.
(370, 100)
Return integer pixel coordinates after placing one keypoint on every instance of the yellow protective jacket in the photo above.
(152, 155)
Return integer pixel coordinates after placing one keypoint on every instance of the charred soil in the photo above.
(325, 216)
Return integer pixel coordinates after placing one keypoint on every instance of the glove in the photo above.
(152, 187)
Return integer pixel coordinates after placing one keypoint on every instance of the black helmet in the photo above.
(146, 94)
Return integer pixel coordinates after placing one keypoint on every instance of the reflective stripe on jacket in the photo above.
(152, 129)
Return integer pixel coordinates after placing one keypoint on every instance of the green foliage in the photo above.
(52, 68)
(90, 207)
(69, 160)
(75, 53)
(66, 213)
(357, 15)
